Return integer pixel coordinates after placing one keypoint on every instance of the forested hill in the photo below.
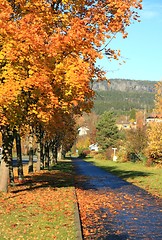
(122, 96)
(125, 85)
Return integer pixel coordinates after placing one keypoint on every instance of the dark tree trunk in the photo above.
(38, 165)
(19, 156)
(6, 163)
(47, 159)
(11, 174)
(40, 156)
(30, 166)
(51, 155)
(55, 153)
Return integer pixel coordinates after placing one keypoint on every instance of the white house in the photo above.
(153, 119)
(83, 131)
(94, 147)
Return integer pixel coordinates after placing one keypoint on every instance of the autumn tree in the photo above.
(154, 149)
(48, 51)
(61, 134)
(135, 143)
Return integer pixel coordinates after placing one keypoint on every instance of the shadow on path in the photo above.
(123, 211)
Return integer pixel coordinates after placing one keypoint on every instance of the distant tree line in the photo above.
(121, 102)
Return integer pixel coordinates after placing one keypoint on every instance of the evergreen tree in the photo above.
(107, 131)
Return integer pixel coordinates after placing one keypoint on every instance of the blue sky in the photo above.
(142, 49)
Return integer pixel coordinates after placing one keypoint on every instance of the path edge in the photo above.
(77, 218)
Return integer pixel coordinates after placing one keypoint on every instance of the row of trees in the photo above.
(48, 51)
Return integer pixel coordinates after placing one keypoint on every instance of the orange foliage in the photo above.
(48, 52)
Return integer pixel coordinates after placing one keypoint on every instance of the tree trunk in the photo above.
(6, 163)
(55, 153)
(4, 176)
(47, 155)
(11, 174)
(40, 156)
(19, 156)
(38, 165)
(51, 156)
(30, 166)
(60, 153)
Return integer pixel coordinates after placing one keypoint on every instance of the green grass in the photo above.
(148, 178)
(41, 208)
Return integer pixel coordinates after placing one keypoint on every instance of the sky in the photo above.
(142, 49)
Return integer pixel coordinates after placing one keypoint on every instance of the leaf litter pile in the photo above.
(40, 208)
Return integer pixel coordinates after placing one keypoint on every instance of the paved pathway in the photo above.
(138, 215)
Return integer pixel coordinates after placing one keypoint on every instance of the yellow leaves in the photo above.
(2, 56)
(154, 149)
(158, 99)
(30, 72)
(65, 1)
(68, 93)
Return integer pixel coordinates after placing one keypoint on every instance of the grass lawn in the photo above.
(148, 178)
(41, 208)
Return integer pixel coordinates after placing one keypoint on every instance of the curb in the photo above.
(77, 218)
(79, 232)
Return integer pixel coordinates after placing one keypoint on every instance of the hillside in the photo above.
(125, 85)
(122, 96)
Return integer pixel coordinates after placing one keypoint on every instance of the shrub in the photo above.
(122, 155)
(83, 153)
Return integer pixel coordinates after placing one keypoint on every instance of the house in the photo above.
(83, 131)
(153, 119)
(94, 147)
(125, 125)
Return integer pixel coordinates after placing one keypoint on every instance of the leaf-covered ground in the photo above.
(40, 208)
(43, 207)
(112, 209)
